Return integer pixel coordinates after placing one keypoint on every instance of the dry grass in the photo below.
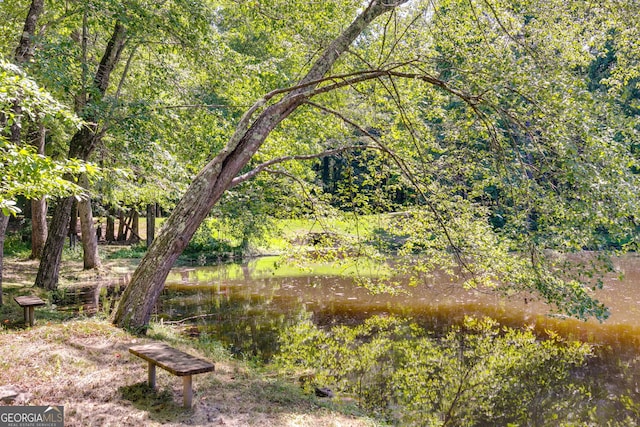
(84, 365)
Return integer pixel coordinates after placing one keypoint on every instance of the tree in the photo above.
(487, 117)
(81, 147)
(138, 300)
(63, 61)
(23, 54)
(24, 171)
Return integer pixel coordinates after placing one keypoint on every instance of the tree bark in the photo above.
(38, 206)
(81, 146)
(38, 227)
(4, 222)
(73, 225)
(110, 228)
(90, 256)
(26, 47)
(122, 226)
(151, 223)
(135, 226)
(24, 52)
(49, 269)
(137, 302)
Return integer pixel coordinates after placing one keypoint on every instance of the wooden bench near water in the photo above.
(175, 361)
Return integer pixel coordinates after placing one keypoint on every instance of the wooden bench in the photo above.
(29, 303)
(175, 361)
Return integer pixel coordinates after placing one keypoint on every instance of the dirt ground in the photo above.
(83, 364)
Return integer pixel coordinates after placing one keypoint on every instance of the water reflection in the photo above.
(246, 305)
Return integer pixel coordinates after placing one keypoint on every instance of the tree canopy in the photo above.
(24, 172)
(502, 132)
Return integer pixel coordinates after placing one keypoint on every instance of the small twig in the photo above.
(201, 316)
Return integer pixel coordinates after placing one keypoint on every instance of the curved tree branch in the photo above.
(406, 171)
(263, 166)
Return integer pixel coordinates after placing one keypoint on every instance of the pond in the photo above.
(248, 306)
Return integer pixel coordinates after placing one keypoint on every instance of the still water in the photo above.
(246, 306)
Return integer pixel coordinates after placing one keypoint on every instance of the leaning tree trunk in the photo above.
(89, 237)
(82, 144)
(141, 295)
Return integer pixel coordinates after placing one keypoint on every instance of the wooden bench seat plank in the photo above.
(29, 301)
(175, 361)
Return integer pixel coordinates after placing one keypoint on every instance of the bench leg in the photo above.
(152, 375)
(26, 315)
(32, 316)
(187, 391)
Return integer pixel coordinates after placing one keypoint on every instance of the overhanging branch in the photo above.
(406, 172)
(263, 166)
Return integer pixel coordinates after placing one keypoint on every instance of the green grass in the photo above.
(292, 231)
(128, 252)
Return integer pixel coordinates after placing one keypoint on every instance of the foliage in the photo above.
(499, 127)
(16, 245)
(476, 374)
(25, 172)
(505, 150)
(208, 240)
(36, 103)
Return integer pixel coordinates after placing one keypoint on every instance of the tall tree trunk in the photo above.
(73, 225)
(38, 227)
(110, 228)
(122, 226)
(49, 269)
(81, 146)
(38, 206)
(90, 256)
(141, 295)
(151, 223)
(24, 52)
(135, 226)
(4, 222)
(26, 47)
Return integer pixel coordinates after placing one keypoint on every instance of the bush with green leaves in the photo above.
(476, 374)
(207, 239)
